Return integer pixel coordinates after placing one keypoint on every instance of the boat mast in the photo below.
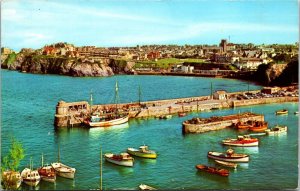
(42, 160)
(116, 97)
(91, 101)
(58, 154)
(140, 94)
(100, 168)
(211, 90)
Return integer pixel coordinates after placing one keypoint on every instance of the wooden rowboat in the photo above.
(146, 187)
(282, 112)
(213, 170)
(124, 159)
(227, 164)
(229, 156)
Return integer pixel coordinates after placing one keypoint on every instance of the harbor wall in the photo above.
(201, 128)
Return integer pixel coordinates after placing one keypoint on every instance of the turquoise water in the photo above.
(28, 107)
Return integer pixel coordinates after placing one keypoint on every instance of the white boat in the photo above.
(97, 121)
(124, 159)
(276, 130)
(227, 164)
(229, 156)
(30, 177)
(11, 178)
(108, 119)
(146, 187)
(64, 170)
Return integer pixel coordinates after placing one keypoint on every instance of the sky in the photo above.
(107, 23)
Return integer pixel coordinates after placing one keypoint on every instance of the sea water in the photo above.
(28, 108)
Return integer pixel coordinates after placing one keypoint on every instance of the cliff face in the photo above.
(64, 66)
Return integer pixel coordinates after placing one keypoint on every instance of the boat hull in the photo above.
(108, 123)
(227, 164)
(64, 170)
(273, 132)
(221, 157)
(128, 163)
(253, 144)
(12, 178)
(30, 177)
(143, 155)
(213, 170)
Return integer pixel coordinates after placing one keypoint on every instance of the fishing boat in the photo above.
(212, 170)
(276, 130)
(227, 164)
(109, 119)
(123, 159)
(62, 169)
(146, 187)
(11, 179)
(181, 114)
(47, 172)
(229, 156)
(243, 125)
(241, 141)
(143, 152)
(30, 177)
(259, 126)
(282, 112)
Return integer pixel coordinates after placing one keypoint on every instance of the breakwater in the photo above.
(198, 125)
(74, 113)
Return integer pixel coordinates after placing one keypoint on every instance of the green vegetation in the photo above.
(11, 59)
(165, 62)
(11, 161)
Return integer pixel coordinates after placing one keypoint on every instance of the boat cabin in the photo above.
(144, 148)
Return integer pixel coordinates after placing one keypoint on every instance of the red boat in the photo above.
(213, 170)
(243, 125)
(47, 173)
(259, 126)
(181, 114)
(241, 141)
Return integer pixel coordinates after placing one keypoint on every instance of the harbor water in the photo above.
(28, 108)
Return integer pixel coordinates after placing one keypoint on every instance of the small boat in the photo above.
(227, 164)
(30, 177)
(282, 112)
(259, 126)
(229, 156)
(47, 172)
(242, 141)
(11, 178)
(243, 125)
(62, 169)
(146, 187)
(276, 130)
(296, 112)
(212, 170)
(165, 117)
(181, 114)
(143, 152)
(123, 159)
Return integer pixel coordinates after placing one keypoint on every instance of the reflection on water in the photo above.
(248, 150)
(123, 170)
(243, 165)
(213, 177)
(144, 161)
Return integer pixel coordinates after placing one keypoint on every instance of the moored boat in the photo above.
(64, 170)
(146, 187)
(227, 164)
(282, 112)
(241, 141)
(296, 112)
(47, 172)
(143, 152)
(259, 126)
(229, 156)
(30, 177)
(103, 121)
(124, 159)
(182, 114)
(212, 170)
(11, 179)
(276, 130)
(165, 117)
(243, 125)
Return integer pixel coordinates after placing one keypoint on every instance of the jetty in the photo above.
(75, 113)
(201, 125)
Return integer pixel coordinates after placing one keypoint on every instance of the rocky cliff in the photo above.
(31, 63)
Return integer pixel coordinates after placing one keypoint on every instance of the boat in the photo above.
(165, 117)
(212, 170)
(109, 119)
(146, 187)
(227, 164)
(243, 125)
(11, 179)
(30, 177)
(282, 112)
(62, 169)
(47, 172)
(296, 112)
(276, 130)
(143, 152)
(181, 114)
(259, 126)
(229, 156)
(241, 141)
(123, 159)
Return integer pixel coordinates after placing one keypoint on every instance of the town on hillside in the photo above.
(210, 60)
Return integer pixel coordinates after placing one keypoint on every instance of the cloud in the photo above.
(10, 15)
